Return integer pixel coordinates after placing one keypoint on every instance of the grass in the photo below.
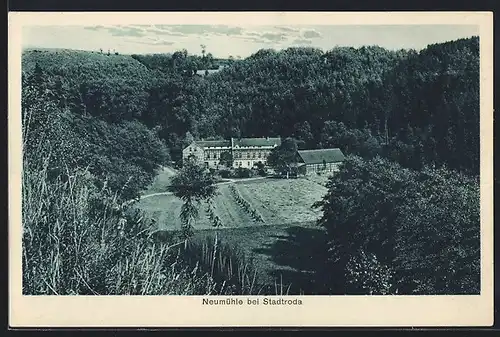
(76, 241)
(278, 201)
(283, 201)
(280, 253)
(160, 181)
(289, 220)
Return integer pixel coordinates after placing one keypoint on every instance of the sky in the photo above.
(237, 41)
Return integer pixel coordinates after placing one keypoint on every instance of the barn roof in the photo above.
(257, 141)
(317, 156)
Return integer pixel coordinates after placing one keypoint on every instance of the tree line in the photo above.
(418, 108)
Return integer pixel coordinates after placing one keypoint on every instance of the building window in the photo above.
(248, 163)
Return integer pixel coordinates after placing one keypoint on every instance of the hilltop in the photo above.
(84, 65)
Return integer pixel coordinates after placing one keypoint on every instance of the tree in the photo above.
(393, 229)
(226, 159)
(283, 158)
(188, 139)
(304, 134)
(192, 185)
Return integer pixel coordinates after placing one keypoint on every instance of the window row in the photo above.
(249, 155)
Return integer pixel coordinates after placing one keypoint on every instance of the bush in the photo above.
(247, 207)
(366, 275)
(423, 225)
(242, 172)
(225, 173)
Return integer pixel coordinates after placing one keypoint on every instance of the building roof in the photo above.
(203, 72)
(317, 156)
(213, 143)
(257, 141)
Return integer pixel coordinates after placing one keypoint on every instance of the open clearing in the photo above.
(279, 201)
(281, 246)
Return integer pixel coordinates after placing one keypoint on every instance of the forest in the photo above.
(97, 127)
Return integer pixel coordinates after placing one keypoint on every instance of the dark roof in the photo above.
(257, 141)
(213, 143)
(317, 156)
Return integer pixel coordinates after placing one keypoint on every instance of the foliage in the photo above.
(366, 275)
(192, 184)
(231, 270)
(226, 173)
(97, 127)
(212, 215)
(282, 158)
(247, 207)
(420, 108)
(243, 172)
(423, 225)
(78, 237)
(226, 159)
(261, 169)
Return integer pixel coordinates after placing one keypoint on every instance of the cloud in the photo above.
(274, 37)
(198, 30)
(94, 27)
(311, 34)
(163, 32)
(152, 41)
(132, 30)
(253, 39)
(126, 31)
(287, 29)
(301, 41)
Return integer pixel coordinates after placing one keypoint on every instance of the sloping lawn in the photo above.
(282, 201)
(281, 247)
(281, 254)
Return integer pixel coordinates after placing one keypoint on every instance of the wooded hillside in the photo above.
(413, 107)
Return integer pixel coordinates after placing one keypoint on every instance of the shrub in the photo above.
(247, 207)
(225, 173)
(424, 225)
(242, 172)
(366, 275)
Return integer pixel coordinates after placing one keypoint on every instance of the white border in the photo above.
(158, 311)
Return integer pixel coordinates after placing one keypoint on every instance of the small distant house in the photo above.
(205, 72)
(328, 160)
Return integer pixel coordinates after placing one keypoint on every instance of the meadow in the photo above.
(280, 246)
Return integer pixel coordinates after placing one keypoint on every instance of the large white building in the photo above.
(245, 152)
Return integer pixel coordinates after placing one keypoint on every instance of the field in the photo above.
(277, 201)
(280, 244)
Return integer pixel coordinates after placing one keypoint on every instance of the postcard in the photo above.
(258, 169)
